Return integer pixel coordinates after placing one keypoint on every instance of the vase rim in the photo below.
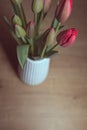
(38, 61)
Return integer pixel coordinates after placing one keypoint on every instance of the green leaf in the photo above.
(55, 23)
(23, 16)
(19, 31)
(62, 26)
(51, 53)
(16, 20)
(22, 54)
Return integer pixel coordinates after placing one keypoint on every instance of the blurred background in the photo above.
(61, 101)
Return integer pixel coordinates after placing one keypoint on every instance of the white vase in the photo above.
(34, 72)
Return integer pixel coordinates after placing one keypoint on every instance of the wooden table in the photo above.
(60, 103)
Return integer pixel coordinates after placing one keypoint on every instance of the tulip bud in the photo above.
(19, 31)
(30, 29)
(47, 4)
(37, 6)
(51, 36)
(63, 10)
(18, 9)
(16, 20)
(67, 37)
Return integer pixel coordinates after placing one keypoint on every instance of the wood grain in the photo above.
(60, 103)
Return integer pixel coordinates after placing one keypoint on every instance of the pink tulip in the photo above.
(67, 37)
(50, 36)
(47, 4)
(63, 10)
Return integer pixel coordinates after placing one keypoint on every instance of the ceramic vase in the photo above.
(34, 71)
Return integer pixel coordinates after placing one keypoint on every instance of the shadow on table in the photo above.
(8, 44)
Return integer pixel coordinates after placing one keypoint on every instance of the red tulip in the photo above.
(63, 10)
(46, 5)
(67, 37)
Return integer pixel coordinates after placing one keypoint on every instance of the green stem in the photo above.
(18, 9)
(35, 18)
(57, 28)
(31, 43)
(53, 47)
(32, 47)
(14, 6)
(22, 15)
(39, 23)
(43, 52)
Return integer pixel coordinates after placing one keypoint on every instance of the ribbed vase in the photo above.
(34, 72)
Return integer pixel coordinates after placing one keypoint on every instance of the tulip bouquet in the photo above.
(31, 41)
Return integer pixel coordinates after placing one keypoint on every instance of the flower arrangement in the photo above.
(31, 41)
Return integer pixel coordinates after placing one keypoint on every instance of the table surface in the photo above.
(60, 103)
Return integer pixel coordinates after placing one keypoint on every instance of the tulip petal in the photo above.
(67, 37)
(46, 5)
(63, 10)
